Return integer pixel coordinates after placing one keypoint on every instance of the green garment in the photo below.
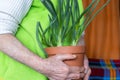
(10, 69)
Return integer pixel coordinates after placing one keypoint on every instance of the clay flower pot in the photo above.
(76, 50)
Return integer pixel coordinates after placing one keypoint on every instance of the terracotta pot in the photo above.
(76, 50)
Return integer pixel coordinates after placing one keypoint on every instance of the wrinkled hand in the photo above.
(76, 73)
(55, 69)
(87, 68)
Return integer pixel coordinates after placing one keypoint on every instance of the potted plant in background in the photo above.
(65, 28)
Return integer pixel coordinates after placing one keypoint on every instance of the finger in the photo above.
(86, 62)
(87, 74)
(51, 79)
(65, 56)
(73, 76)
(54, 78)
(76, 75)
(75, 69)
(87, 69)
(68, 79)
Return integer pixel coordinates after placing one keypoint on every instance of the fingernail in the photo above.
(74, 56)
(86, 71)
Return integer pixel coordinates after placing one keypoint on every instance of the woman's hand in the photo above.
(78, 71)
(84, 74)
(87, 68)
(55, 69)
(86, 62)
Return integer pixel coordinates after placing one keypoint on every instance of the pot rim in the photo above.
(65, 49)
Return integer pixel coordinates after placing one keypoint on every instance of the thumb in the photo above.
(65, 56)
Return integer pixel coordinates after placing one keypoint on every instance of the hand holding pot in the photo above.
(87, 68)
(55, 69)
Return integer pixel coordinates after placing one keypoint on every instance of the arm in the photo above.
(12, 47)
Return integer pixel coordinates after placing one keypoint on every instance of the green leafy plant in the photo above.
(65, 27)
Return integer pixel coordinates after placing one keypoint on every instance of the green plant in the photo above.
(65, 26)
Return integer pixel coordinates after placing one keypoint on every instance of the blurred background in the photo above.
(103, 34)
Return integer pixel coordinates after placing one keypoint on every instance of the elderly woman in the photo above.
(20, 57)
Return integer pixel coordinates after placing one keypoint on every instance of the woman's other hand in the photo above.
(87, 68)
(55, 69)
